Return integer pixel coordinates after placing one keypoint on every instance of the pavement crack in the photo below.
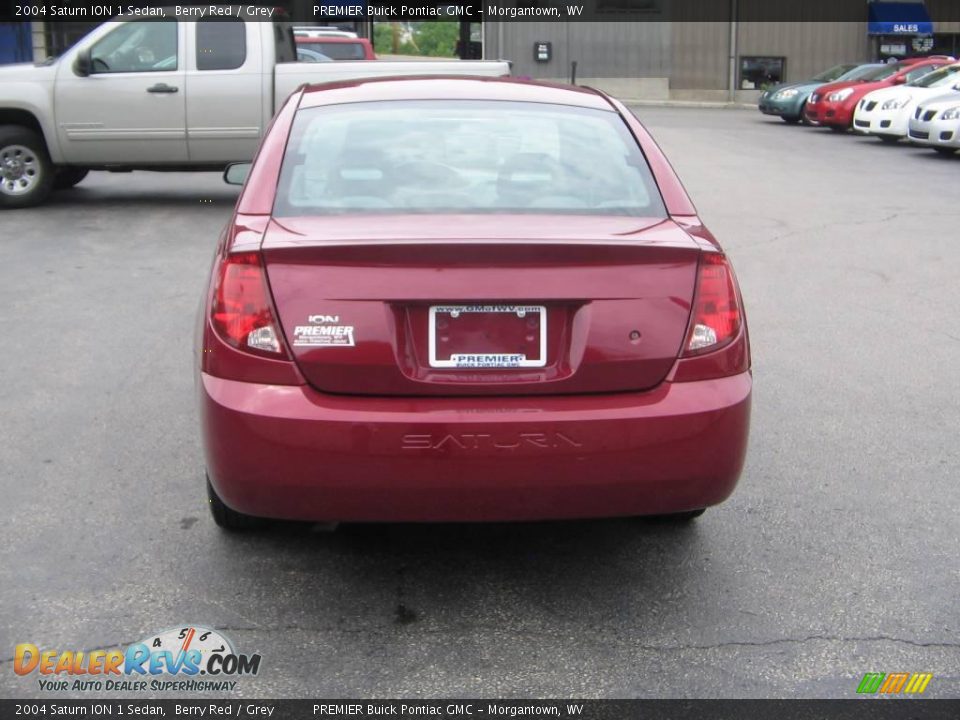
(801, 640)
(821, 227)
(335, 630)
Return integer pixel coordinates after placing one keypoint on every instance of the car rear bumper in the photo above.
(293, 453)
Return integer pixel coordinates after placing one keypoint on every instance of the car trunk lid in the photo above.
(481, 304)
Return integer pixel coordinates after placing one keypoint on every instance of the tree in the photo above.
(434, 38)
(438, 38)
(388, 39)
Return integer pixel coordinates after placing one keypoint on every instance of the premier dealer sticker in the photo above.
(325, 331)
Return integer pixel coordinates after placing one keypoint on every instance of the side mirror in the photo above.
(236, 173)
(83, 65)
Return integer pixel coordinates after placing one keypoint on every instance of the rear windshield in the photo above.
(337, 50)
(442, 156)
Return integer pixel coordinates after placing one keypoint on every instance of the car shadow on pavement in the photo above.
(114, 198)
(938, 157)
(869, 142)
(514, 574)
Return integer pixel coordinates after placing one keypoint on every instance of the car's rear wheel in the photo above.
(790, 120)
(889, 139)
(803, 115)
(680, 518)
(26, 173)
(228, 518)
(67, 177)
(945, 150)
(838, 128)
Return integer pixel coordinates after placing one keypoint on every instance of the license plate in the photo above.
(488, 336)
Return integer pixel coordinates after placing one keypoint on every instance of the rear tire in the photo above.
(945, 150)
(790, 120)
(26, 173)
(67, 177)
(228, 518)
(681, 518)
(838, 128)
(889, 139)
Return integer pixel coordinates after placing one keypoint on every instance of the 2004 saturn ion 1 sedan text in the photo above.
(466, 299)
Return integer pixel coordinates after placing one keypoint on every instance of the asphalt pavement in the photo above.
(837, 554)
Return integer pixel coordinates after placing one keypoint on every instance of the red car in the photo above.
(337, 48)
(833, 105)
(467, 299)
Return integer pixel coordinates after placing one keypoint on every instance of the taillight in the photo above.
(716, 316)
(241, 310)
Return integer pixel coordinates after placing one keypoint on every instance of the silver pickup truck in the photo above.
(161, 95)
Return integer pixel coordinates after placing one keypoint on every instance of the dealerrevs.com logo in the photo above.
(184, 659)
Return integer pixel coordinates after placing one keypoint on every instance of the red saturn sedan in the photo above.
(467, 299)
(833, 105)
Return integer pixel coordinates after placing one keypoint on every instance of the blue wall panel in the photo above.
(15, 43)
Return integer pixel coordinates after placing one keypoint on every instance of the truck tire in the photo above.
(26, 173)
(67, 177)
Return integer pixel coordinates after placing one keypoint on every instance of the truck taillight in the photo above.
(716, 316)
(242, 313)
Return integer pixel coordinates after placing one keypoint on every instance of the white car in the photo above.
(936, 123)
(886, 112)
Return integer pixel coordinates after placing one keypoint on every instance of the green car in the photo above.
(786, 100)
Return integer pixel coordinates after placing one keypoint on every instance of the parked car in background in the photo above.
(885, 113)
(453, 299)
(787, 100)
(338, 48)
(936, 123)
(141, 95)
(833, 105)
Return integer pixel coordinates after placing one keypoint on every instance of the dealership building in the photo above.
(696, 50)
(728, 52)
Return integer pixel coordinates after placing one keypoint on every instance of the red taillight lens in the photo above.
(716, 316)
(242, 314)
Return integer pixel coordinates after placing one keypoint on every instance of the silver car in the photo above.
(936, 123)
